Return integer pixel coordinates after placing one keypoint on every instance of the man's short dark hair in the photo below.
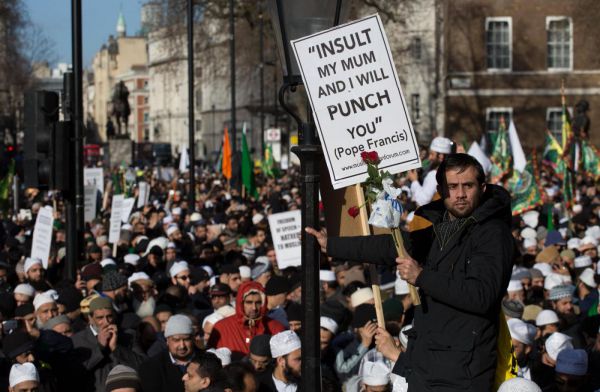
(235, 375)
(461, 162)
(209, 365)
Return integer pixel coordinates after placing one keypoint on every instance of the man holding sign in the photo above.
(461, 260)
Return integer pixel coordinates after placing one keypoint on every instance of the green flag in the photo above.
(501, 157)
(590, 158)
(568, 187)
(268, 163)
(247, 169)
(5, 185)
(524, 189)
(552, 151)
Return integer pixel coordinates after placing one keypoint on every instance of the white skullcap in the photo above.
(177, 267)
(403, 337)
(573, 243)
(172, 229)
(361, 296)
(441, 144)
(167, 220)
(529, 242)
(544, 268)
(245, 271)
(256, 219)
(552, 280)
(127, 227)
(212, 318)
(52, 294)
(106, 262)
(30, 262)
(375, 374)
(519, 384)
(589, 240)
(178, 325)
(531, 218)
(176, 211)
(42, 299)
(556, 343)
(138, 276)
(208, 270)
(400, 286)
(226, 310)
(521, 331)
(514, 285)
(593, 231)
(284, 343)
(171, 245)
(546, 317)
(262, 259)
(25, 289)
(563, 232)
(577, 208)
(223, 353)
(22, 373)
(131, 259)
(326, 276)
(583, 261)
(587, 277)
(213, 281)
(195, 217)
(528, 232)
(329, 324)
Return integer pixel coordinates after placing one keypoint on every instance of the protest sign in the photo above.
(90, 198)
(143, 194)
(355, 95)
(94, 176)
(127, 206)
(42, 235)
(116, 210)
(285, 231)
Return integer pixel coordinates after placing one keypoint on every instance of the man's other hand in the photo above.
(408, 269)
(321, 237)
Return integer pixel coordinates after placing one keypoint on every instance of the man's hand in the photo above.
(321, 237)
(408, 269)
(385, 345)
(413, 175)
(366, 333)
(112, 342)
(104, 336)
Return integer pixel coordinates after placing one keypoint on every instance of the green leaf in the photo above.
(372, 171)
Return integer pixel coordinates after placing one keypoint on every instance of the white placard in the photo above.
(94, 176)
(90, 198)
(127, 206)
(285, 231)
(353, 89)
(42, 235)
(143, 194)
(116, 210)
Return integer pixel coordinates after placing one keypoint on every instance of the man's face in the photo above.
(46, 312)
(142, 292)
(259, 362)
(180, 346)
(200, 232)
(272, 257)
(464, 192)
(260, 236)
(295, 325)
(63, 329)
(537, 282)
(192, 381)
(25, 357)
(293, 366)
(252, 305)
(218, 301)
(35, 273)
(170, 254)
(102, 318)
(235, 280)
(326, 336)
(183, 279)
(96, 256)
(162, 318)
(21, 299)
(521, 351)
(563, 306)
(232, 225)
(26, 386)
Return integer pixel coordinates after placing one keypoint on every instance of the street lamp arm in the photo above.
(287, 107)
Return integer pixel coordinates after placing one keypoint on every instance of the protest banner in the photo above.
(94, 176)
(143, 194)
(116, 211)
(42, 235)
(355, 95)
(90, 198)
(127, 207)
(285, 231)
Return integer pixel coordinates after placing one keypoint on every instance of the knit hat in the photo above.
(54, 321)
(519, 384)
(375, 374)
(559, 292)
(20, 373)
(521, 331)
(546, 317)
(572, 362)
(112, 280)
(25, 289)
(260, 345)
(30, 262)
(42, 299)
(16, 344)
(178, 267)
(329, 324)
(512, 308)
(122, 376)
(520, 273)
(258, 269)
(178, 324)
(277, 285)
(530, 312)
(363, 314)
(556, 343)
(548, 255)
(91, 271)
(326, 276)
(284, 343)
(361, 296)
(99, 303)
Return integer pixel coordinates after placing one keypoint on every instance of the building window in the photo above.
(198, 126)
(493, 116)
(416, 48)
(498, 41)
(560, 42)
(146, 117)
(415, 105)
(554, 121)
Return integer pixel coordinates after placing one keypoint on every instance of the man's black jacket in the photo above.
(453, 343)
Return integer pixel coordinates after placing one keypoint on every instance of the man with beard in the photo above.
(200, 233)
(34, 271)
(423, 194)
(561, 297)
(114, 286)
(45, 309)
(180, 274)
(100, 347)
(143, 290)
(260, 353)
(164, 371)
(523, 335)
(287, 353)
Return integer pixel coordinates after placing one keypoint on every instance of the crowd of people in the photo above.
(196, 301)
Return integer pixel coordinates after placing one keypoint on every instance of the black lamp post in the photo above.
(295, 19)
